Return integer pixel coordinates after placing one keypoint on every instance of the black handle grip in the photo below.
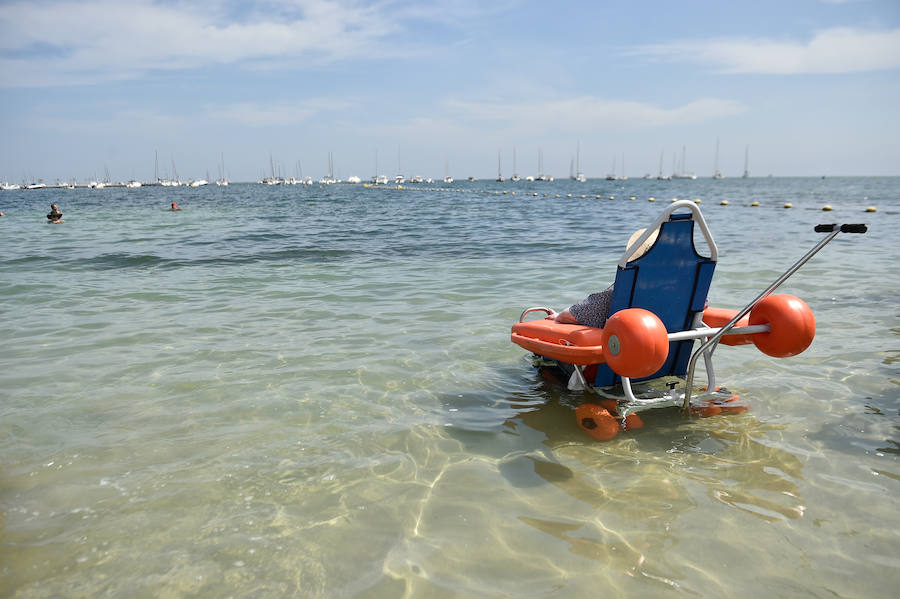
(854, 228)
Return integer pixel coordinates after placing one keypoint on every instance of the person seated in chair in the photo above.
(593, 310)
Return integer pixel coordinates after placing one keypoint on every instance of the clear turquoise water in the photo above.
(283, 392)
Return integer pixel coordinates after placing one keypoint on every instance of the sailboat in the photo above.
(500, 178)
(682, 173)
(612, 174)
(223, 180)
(624, 177)
(200, 182)
(376, 178)
(329, 179)
(578, 176)
(661, 176)
(515, 175)
(270, 180)
(156, 168)
(447, 177)
(541, 176)
(301, 180)
(717, 174)
(398, 178)
(165, 181)
(746, 174)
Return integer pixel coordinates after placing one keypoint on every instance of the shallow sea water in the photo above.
(310, 392)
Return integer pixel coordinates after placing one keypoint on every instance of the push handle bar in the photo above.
(833, 230)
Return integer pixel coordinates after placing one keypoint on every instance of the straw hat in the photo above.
(644, 246)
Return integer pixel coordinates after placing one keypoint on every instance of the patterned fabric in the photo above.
(593, 310)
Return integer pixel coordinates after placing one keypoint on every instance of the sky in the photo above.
(435, 87)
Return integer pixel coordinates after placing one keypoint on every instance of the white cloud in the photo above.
(835, 50)
(68, 42)
(586, 114)
(280, 114)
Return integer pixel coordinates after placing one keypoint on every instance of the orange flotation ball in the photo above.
(792, 323)
(635, 342)
(632, 421)
(596, 421)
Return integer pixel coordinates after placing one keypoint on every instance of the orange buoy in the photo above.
(733, 409)
(635, 342)
(706, 410)
(792, 323)
(632, 421)
(596, 421)
(609, 405)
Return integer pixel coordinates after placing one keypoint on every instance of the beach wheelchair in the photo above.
(658, 310)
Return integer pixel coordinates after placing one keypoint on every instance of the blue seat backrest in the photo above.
(672, 281)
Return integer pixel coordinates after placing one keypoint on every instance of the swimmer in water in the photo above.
(175, 206)
(55, 215)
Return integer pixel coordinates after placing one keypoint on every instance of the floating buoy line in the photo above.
(535, 194)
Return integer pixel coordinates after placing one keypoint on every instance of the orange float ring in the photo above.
(635, 342)
(596, 421)
(792, 323)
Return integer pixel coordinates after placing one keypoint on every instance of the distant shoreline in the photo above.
(195, 184)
